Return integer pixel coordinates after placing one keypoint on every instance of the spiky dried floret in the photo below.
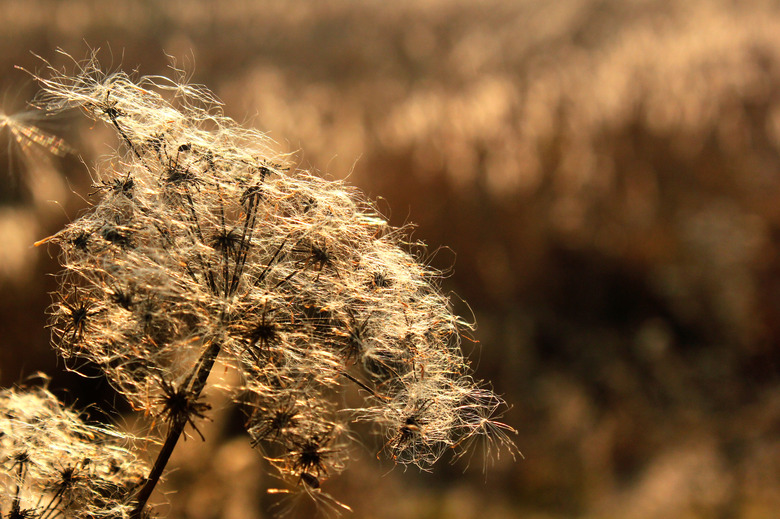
(56, 465)
(478, 414)
(204, 238)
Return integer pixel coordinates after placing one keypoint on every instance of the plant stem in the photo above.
(201, 374)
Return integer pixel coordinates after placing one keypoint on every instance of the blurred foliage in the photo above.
(606, 172)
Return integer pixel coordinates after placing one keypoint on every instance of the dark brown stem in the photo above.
(198, 381)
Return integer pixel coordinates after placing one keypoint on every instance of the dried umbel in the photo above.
(55, 465)
(204, 248)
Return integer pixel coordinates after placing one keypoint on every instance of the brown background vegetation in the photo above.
(604, 175)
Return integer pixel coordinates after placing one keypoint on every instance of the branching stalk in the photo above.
(201, 374)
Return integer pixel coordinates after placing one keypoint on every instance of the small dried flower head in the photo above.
(204, 247)
(56, 465)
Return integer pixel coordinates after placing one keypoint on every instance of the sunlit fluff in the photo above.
(205, 247)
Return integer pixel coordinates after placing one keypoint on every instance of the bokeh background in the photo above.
(604, 176)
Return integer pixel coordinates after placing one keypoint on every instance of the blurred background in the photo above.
(604, 175)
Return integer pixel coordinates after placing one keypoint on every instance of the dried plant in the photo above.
(55, 465)
(205, 247)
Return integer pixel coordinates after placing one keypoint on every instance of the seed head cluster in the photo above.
(204, 247)
(55, 465)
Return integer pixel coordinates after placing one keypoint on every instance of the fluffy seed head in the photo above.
(56, 465)
(201, 237)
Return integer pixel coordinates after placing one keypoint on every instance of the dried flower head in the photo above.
(55, 465)
(205, 247)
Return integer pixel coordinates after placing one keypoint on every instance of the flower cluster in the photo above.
(55, 465)
(204, 247)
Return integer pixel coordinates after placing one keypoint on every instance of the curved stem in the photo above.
(198, 382)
